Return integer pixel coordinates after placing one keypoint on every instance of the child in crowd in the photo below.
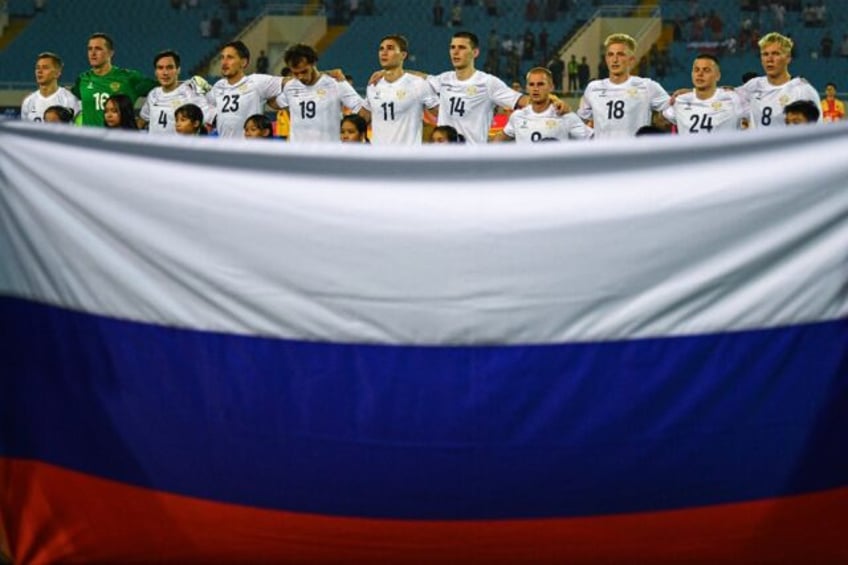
(258, 125)
(354, 129)
(58, 115)
(119, 113)
(189, 120)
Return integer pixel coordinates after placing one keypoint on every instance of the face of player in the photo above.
(705, 75)
(830, 91)
(390, 55)
(775, 61)
(619, 60)
(99, 54)
(462, 53)
(167, 73)
(184, 125)
(111, 114)
(539, 88)
(232, 65)
(51, 117)
(304, 72)
(46, 71)
(252, 130)
(349, 133)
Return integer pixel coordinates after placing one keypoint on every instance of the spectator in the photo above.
(531, 12)
(206, 27)
(583, 72)
(216, 25)
(826, 45)
(438, 13)
(529, 45)
(557, 67)
(491, 8)
(456, 14)
(543, 43)
(833, 109)
(573, 71)
(262, 63)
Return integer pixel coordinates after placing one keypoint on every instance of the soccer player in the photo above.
(707, 108)
(315, 99)
(237, 95)
(48, 69)
(157, 113)
(621, 104)
(96, 85)
(467, 97)
(539, 120)
(398, 99)
(767, 95)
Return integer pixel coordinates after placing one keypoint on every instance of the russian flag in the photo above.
(620, 352)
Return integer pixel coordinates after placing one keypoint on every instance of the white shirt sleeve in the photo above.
(349, 97)
(659, 97)
(509, 128)
(501, 94)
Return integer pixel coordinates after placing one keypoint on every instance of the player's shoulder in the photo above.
(597, 85)
(30, 98)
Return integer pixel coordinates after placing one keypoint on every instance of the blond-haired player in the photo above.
(619, 105)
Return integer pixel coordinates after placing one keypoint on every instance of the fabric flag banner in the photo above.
(232, 351)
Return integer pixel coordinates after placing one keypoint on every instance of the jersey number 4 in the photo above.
(163, 119)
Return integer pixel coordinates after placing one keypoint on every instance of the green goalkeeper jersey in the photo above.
(93, 90)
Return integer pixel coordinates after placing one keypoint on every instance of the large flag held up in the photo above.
(216, 350)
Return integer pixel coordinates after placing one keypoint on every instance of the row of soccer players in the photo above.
(396, 99)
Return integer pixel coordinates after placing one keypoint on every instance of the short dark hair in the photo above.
(57, 60)
(261, 121)
(807, 108)
(240, 48)
(66, 115)
(190, 111)
(167, 53)
(401, 41)
(105, 37)
(475, 42)
(833, 84)
(358, 121)
(710, 57)
(298, 53)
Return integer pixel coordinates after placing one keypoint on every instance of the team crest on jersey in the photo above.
(471, 90)
(243, 88)
(784, 100)
(716, 105)
(632, 92)
(550, 124)
(400, 94)
(321, 92)
(115, 86)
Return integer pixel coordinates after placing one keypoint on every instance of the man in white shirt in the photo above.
(314, 99)
(707, 108)
(237, 96)
(539, 120)
(398, 99)
(621, 104)
(768, 95)
(467, 97)
(157, 113)
(48, 69)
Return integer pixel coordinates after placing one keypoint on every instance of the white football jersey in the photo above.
(527, 126)
(397, 109)
(33, 106)
(723, 111)
(234, 103)
(159, 106)
(767, 101)
(468, 105)
(316, 110)
(619, 110)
